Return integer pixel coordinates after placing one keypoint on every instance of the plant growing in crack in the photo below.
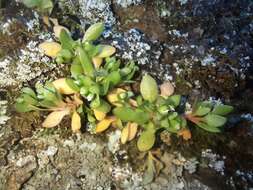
(209, 116)
(49, 98)
(99, 88)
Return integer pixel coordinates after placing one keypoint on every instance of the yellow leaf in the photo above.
(57, 30)
(75, 122)
(185, 133)
(46, 20)
(54, 21)
(112, 97)
(54, 118)
(50, 49)
(146, 141)
(106, 51)
(124, 135)
(97, 61)
(62, 86)
(104, 124)
(132, 130)
(99, 114)
(167, 89)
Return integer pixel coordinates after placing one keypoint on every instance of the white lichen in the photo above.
(126, 3)
(3, 111)
(114, 141)
(96, 10)
(215, 161)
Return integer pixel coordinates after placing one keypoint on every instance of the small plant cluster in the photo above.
(100, 91)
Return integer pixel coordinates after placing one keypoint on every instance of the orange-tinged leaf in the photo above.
(97, 61)
(167, 89)
(99, 114)
(75, 122)
(132, 130)
(62, 86)
(133, 103)
(185, 133)
(104, 124)
(50, 49)
(55, 118)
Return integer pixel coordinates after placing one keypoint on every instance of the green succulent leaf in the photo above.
(104, 106)
(93, 32)
(209, 128)
(65, 54)
(71, 83)
(149, 88)
(201, 110)
(29, 91)
(215, 120)
(222, 109)
(146, 140)
(66, 41)
(114, 78)
(29, 99)
(47, 104)
(76, 69)
(129, 114)
(174, 100)
(85, 61)
(23, 107)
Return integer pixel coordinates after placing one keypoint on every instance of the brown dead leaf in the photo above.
(185, 133)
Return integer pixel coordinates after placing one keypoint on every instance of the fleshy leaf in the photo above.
(57, 30)
(72, 85)
(149, 88)
(129, 114)
(54, 118)
(124, 135)
(106, 51)
(104, 124)
(50, 49)
(75, 122)
(167, 89)
(132, 130)
(209, 128)
(93, 32)
(85, 61)
(146, 140)
(76, 69)
(174, 100)
(201, 110)
(66, 41)
(99, 114)
(62, 86)
(215, 120)
(222, 109)
(23, 107)
(29, 91)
